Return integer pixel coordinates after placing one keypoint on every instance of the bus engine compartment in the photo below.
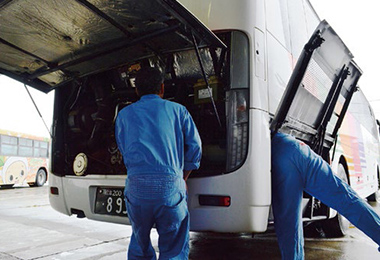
(86, 109)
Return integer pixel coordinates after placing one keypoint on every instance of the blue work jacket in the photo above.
(157, 136)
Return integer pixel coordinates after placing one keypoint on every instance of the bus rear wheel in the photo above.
(374, 196)
(41, 177)
(338, 225)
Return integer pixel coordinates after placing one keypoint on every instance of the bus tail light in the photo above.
(54, 190)
(214, 200)
(237, 130)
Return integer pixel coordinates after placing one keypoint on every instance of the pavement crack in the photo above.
(83, 247)
(5, 256)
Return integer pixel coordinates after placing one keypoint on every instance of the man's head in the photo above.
(149, 81)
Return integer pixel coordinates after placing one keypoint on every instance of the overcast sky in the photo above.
(18, 112)
(356, 22)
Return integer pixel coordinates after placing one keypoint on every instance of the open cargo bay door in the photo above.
(319, 91)
(46, 44)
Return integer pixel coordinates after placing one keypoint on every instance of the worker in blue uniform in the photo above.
(160, 145)
(296, 168)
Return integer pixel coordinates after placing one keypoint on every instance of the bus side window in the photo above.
(312, 19)
(25, 147)
(277, 21)
(298, 30)
(40, 149)
(8, 145)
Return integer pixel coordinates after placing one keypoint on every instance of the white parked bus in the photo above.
(228, 62)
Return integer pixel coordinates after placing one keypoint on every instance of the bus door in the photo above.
(319, 91)
(317, 97)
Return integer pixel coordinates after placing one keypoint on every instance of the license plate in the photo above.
(110, 201)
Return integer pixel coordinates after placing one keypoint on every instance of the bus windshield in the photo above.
(85, 110)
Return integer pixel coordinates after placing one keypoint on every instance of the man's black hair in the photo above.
(148, 81)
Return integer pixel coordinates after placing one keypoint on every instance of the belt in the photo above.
(154, 186)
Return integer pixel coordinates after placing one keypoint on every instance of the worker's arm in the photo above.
(193, 145)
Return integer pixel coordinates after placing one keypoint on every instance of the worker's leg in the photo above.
(172, 220)
(325, 186)
(141, 216)
(287, 190)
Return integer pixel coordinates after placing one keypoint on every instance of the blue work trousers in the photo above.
(296, 168)
(162, 203)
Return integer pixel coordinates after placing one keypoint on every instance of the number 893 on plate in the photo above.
(110, 201)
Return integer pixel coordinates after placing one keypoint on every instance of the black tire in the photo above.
(373, 196)
(339, 225)
(41, 177)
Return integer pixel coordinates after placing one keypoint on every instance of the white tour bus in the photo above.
(228, 62)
